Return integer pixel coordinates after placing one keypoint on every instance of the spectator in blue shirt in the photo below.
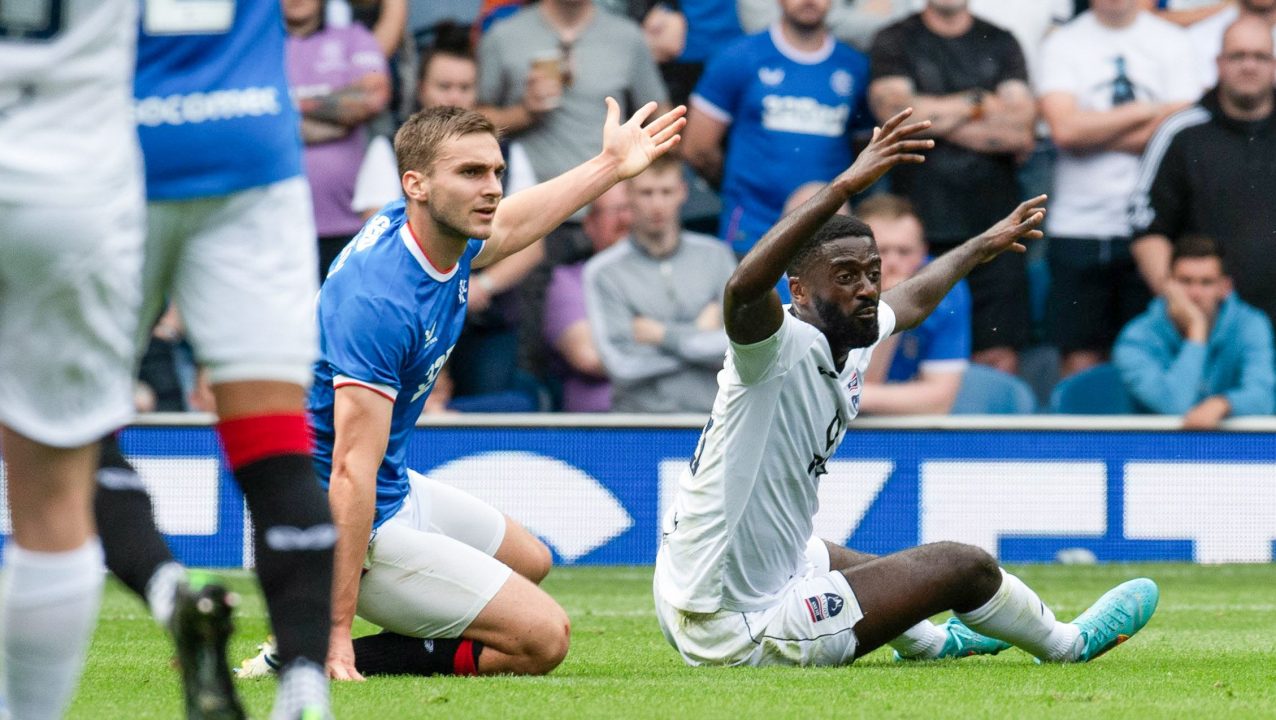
(786, 100)
(1199, 350)
(918, 371)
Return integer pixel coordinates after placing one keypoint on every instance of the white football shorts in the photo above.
(241, 269)
(811, 624)
(430, 568)
(70, 278)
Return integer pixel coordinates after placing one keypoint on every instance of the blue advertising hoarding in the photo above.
(595, 494)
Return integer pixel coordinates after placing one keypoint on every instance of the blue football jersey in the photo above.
(212, 104)
(388, 320)
(944, 336)
(790, 116)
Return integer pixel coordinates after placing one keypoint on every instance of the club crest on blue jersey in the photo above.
(823, 607)
(842, 83)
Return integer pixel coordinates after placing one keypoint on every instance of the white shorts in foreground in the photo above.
(812, 624)
(69, 298)
(241, 269)
(430, 570)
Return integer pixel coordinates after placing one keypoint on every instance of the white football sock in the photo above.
(50, 603)
(922, 641)
(1016, 615)
(302, 684)
(161, 590)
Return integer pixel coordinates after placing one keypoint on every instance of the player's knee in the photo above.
(975, 565)
(547, 643)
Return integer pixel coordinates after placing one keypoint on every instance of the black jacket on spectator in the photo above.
(1204, 172)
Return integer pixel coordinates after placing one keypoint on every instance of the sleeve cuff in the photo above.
(700, 103)
(385, 391)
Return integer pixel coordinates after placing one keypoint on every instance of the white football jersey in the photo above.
(736, 533)
(66, 99)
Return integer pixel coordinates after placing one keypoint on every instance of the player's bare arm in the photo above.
(361, 420)
(914, 299)
(751, 307)
(628, 149)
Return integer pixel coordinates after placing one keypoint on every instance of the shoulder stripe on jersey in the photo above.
(698, 102)
(1141, 213)
(409, 241)
(385, 391)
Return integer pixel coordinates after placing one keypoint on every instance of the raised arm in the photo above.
(361, 418)
(527, 216)
(914, 299)
(752, 310)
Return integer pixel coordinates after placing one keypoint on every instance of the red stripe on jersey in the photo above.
(249, 439)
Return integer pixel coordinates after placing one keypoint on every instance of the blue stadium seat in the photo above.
(1095, 391)
(988, 391)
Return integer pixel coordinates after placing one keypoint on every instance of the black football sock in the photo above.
(126, 521)
(392, 654)
(293, 538)
(293, 533)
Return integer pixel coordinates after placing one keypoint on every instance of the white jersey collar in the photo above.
(802, 57)
(409, 241)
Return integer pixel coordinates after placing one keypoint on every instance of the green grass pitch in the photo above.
(1210, 652)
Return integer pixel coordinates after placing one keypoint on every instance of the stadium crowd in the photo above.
(1144, 121)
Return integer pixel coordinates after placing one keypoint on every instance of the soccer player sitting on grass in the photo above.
(740, 580)
(450, 579)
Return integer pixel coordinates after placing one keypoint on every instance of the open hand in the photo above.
(1022, 223)
(892, 144)
(633, 147)
(340, 662)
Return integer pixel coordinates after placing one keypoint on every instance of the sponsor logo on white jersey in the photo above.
(195, 108)
(804, 115)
